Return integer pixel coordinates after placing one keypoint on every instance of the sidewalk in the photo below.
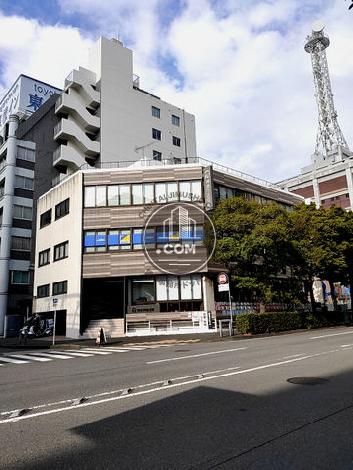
(63, 343)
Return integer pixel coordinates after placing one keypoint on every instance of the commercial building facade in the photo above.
(17, 185)
(101, 116)
(91, 261)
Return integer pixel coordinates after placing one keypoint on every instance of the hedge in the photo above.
(258, 323)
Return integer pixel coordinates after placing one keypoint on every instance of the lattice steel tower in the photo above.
(330, 142)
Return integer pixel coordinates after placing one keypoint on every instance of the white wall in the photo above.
(126, 117)
(68, 228)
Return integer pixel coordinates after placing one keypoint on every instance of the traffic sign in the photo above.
(223, 287)
(222, 278)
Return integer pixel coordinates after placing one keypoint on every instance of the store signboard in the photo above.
(25, 96)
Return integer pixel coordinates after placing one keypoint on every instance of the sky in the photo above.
(238, 65)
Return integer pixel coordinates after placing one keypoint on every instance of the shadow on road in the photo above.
(300, 427)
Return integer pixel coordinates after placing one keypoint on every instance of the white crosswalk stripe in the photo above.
(52, 355)
(24, 357)
(12, 361)
(30, 357)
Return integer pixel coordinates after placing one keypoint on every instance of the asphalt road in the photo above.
(282, 402)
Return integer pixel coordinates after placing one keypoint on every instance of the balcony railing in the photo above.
(57, 128)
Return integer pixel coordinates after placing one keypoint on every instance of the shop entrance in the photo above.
(102, 299)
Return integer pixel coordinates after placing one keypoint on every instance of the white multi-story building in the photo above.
(17, 167)
(106, 116)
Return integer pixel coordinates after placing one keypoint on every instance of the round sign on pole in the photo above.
(222, 278)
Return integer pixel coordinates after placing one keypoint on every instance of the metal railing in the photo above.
(177, 161)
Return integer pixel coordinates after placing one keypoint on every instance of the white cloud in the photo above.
(48, 53)
(245, 74)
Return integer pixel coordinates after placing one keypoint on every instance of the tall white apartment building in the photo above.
(106, 117)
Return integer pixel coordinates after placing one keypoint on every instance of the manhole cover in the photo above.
(307, 380)
(182, 350)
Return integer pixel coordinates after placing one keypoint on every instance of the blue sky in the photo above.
(238, 65)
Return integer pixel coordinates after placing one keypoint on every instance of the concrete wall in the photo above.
(68, 228)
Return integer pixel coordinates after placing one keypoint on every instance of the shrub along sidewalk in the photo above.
(257, 323)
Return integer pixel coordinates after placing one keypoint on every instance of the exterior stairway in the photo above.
(113, 328)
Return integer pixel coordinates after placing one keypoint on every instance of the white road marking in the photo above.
(293, 355)
(332, 334)
(96, 351)
(164, 387)
(195, 355)
(52, 355)
(74, 352)
(112, 392)
(115, 350)
(132, 348)
(31, 358)
(12, 361)
(346, 345)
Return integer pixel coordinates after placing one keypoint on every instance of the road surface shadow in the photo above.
(299, 427)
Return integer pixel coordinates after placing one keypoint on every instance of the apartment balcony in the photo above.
(68, 130)
(81, 80)
(72, 104)
(68, 156)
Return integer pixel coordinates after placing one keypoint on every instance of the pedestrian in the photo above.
(100, 340)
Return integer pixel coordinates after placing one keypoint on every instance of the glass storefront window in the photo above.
(161, 288)
(113, 195)
(196, 287)
(173, 288)
(137, 194)
(185, 288)
(143, 290)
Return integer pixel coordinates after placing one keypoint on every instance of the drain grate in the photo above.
(182, 350)
(307, 380)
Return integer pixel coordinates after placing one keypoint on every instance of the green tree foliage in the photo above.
(272, 252)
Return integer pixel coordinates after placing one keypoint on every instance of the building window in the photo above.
(23, 182)
(43, 291)
(21, 243)
(156, 134)
(61, 251)
(175, 120)
(157, 155)
(44, 257)
(113, 195)
(176, 141)
(124, 195)
(19, 277)
(148, 193)
(59, 288)
(22, 212)
(62, 209)
(156, 112)
(45, 218)
(143, 290)
(137, 194)
(90, 196)
(25, 154)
